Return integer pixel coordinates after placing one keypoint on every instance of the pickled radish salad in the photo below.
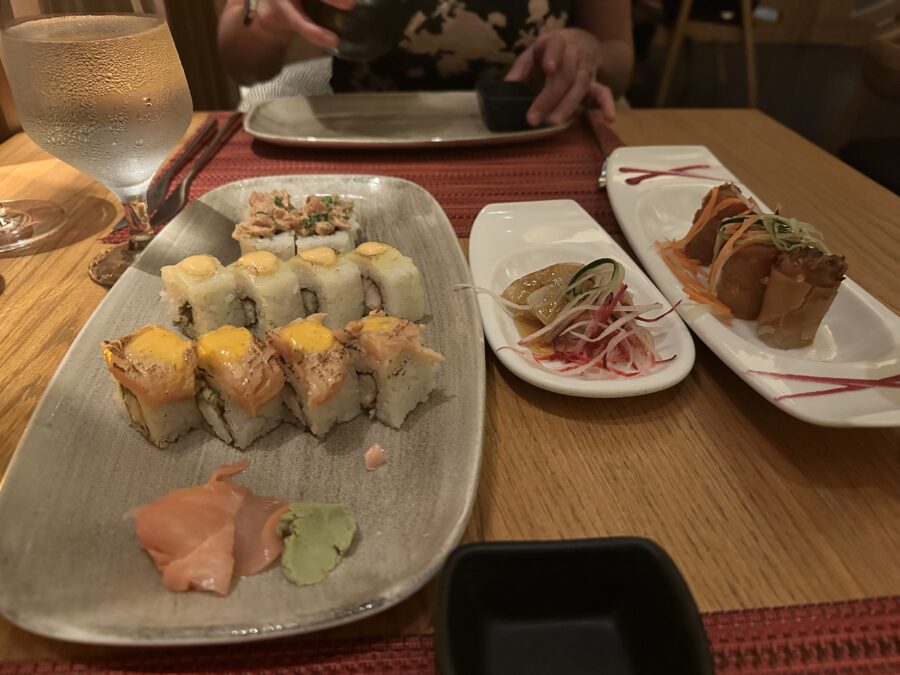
(581, 321)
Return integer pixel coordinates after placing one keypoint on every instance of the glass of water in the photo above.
(99, 84)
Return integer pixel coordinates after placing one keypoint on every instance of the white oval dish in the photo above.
(513, 239)
(859, 337)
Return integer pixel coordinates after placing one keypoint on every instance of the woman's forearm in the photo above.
(249, 53)
(610, 22)
(618, 62)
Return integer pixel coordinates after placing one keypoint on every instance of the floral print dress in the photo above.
(449, 44)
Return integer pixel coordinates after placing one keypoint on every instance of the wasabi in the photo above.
(315, 538)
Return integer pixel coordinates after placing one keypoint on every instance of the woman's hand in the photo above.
(286, 17)
(569, 60)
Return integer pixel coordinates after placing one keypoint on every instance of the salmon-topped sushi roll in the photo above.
(240, 385)
(396, 371)
(322, 386)
(154, 369)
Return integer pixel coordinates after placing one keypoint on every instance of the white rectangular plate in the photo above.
(511, 240)
(395, 120)
(859, 337)
(70, 564)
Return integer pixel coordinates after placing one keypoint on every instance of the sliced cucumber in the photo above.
(587, 268)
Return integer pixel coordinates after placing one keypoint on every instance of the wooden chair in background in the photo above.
(9, 118)
(194, 25)
(878, 158)
(703, 30)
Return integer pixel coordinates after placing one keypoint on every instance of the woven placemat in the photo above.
(463, 180)
(846, 638)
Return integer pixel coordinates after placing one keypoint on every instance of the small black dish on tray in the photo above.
(504, 105)
(615, 606)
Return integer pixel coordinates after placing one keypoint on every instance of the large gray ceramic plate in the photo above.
(396, 120)
(70, 564)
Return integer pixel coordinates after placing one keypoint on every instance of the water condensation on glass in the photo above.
(104, 93)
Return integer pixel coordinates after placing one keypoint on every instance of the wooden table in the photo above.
(756, 508)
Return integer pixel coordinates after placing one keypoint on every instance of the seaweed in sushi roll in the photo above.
(396, 371)
(329, 284)
(268, 292)
(391, 281)
(202, 295)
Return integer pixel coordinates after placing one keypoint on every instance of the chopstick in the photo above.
(176, 201)
(156, 195)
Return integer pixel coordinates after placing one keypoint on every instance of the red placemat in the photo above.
(845, 638)
(463, 180)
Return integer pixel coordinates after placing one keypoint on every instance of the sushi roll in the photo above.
(240, 385)
(267, 290)
(202, 295)
(322, 386)
(391, 281)
(270, 225)
(396, 372)
(329, 284)
(340, 242)
(280, 244)
(803, 284)
(327, 220)
(154, 370)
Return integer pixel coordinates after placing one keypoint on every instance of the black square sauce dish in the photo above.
(615, 606)
(504, 105)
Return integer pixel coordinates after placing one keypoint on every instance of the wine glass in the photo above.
(102, 89)
(24, 222)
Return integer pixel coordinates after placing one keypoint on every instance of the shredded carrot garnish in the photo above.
(708, 299)
(699, 283)
(692, 278)
(726, 251)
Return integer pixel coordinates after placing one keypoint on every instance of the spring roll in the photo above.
(802, 285)
(730, 202)
(742, 282)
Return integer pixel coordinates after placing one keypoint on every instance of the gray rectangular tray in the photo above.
(70, 563)
(416, 119)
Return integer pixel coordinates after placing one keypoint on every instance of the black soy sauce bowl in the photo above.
(504, 105)
(615, 606)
